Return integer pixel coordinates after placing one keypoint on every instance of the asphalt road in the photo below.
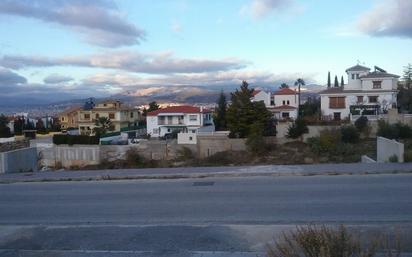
(216, 214)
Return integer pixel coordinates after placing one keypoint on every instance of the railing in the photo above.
(160, 122)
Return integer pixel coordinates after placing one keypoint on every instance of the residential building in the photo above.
(69, 118)
(282, 103)
(366, 93)
(121, 117)
(188, 119)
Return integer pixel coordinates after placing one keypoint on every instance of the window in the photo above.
(62, 118)
(360, 99)
(373, 99)
(285, 115)
(111, 115)
(190, 138)
(193, 130)
(377, 84)
(357, 76)
(169, 119)
(284, 102)
(131, 115)
(288, 102)
(168, 130)
(353, 76)
(192, 117)
(87, 116)
(97, 115)
(337, 102)
(104, 105)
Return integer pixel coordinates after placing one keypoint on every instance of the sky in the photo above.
(62, 49)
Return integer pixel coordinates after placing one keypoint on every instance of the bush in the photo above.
(61, 139)
(185, 154)
(407, 156)
(395, 131)
(349, 134)
(297, 129)
(393, 158)
(361, 123)
(312, 241)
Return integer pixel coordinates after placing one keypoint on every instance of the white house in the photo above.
(282, 103)
(187, 119)
(367, 93)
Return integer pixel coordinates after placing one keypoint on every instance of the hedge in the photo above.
(60, 139)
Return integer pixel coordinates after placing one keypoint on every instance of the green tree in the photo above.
(242, 113)
(284, 85)
(40, 125)
(220, 113)
(311, 108)
(407, 75)
(299, 82)
(18, 125)
(329, 82)
(4, 129)
(342, 82)
(255, 142)
(153, 106)
(336, 82)
(103, 125)
(297, 129)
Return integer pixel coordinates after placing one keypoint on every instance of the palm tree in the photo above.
(103, 124)
(299, 82)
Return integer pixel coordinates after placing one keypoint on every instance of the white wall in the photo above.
(387, 83)
(151, 122)
(385, 99)
(293, 100)
(387, 148)
(262, 96)
(187, 138)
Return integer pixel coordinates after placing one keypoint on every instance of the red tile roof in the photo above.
(255, 92)
(285, 91)
(178, 109)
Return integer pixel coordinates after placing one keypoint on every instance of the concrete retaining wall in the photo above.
(21, 160)
(387, 148)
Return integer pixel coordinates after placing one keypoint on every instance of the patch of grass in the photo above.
(323, 241)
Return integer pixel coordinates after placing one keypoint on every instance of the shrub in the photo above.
(327, 142)
(133, 158)
(184, 154)
(61, 139)
(312, 241)
(407, 156)
(361, 123)
(393, 158)
(297, 129)
(404, 131)
(349, 134)
(395, 131)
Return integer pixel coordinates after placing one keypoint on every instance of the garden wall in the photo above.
(387, 148)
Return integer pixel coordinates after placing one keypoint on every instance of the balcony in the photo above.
(170, 123)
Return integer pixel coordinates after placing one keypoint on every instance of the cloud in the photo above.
(160, 63)
(222, 78)
(56, 79)
(98, 22)
(9, 78)
(261, 8)
(388, 18)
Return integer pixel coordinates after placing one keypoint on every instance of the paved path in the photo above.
(201, 172)
(193, 217)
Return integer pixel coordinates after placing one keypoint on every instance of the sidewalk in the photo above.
(204, 172)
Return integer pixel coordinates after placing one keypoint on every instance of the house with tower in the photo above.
(367, 92)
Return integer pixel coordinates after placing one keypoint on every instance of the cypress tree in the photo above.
(329, 82)
(342, 82)
(336, 81)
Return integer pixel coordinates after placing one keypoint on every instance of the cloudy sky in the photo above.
(79, 48)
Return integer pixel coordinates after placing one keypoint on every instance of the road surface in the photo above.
(214, 214)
